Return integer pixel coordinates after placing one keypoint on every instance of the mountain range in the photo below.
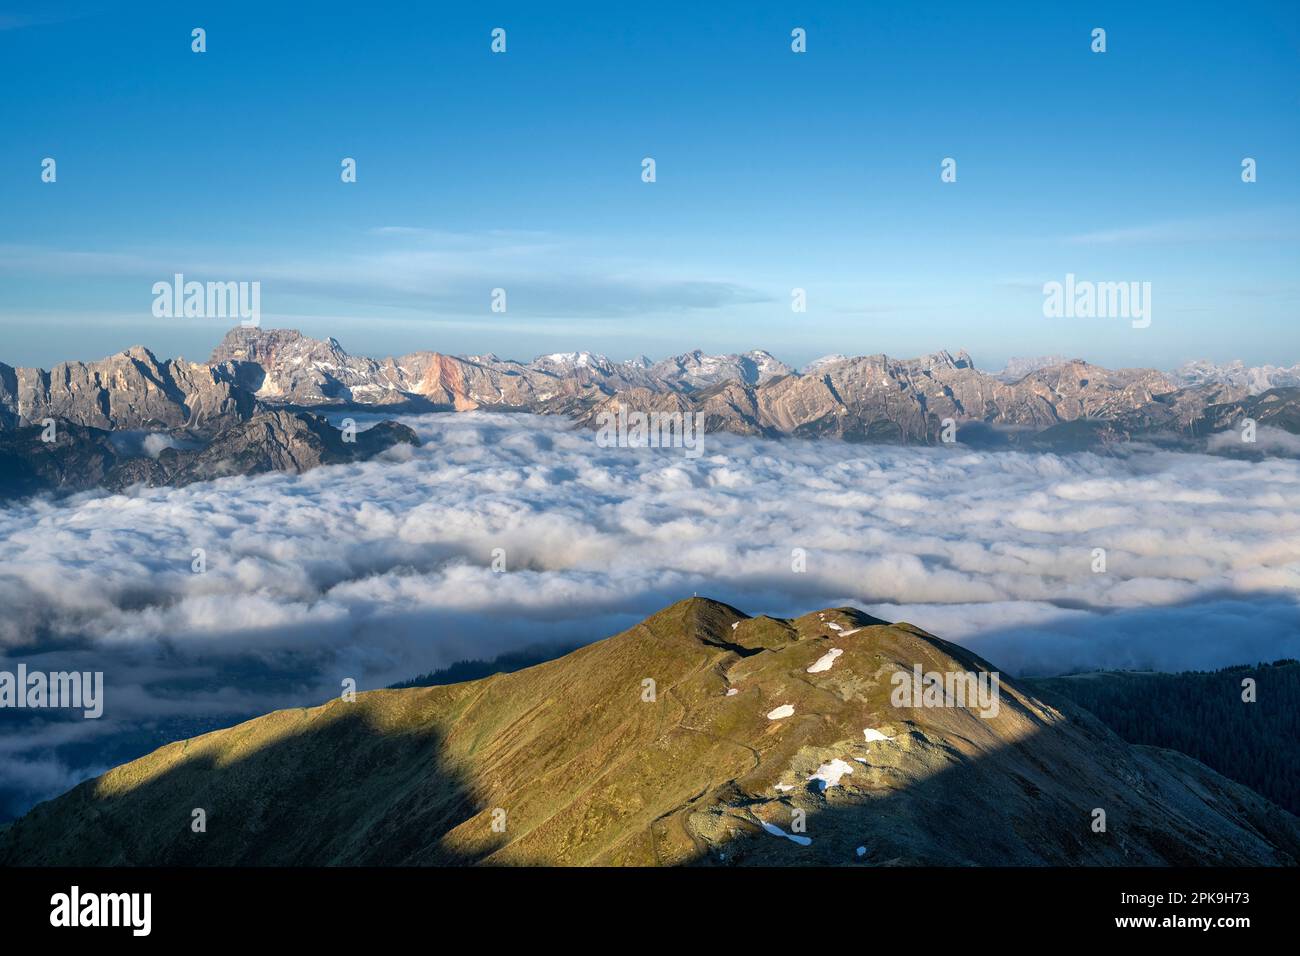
(1254, 381)
(1236, 374)
(1036, 404)
(699, 736)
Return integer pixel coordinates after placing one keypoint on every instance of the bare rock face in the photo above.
(132, 389)
(282, 366)
(1080, 390)
(8, 397)
(465, 385)
(272, 348)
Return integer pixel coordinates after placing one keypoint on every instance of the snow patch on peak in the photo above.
(829, 774)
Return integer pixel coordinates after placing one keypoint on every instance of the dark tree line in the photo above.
(476, 669)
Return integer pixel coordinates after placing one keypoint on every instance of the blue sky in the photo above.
(775, 170)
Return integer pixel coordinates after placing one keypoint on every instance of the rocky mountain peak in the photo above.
(942, 359)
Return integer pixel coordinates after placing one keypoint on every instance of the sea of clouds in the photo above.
(383, 570)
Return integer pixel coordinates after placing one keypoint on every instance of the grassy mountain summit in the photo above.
(700, 736)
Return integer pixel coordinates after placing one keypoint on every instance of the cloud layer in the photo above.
(382, 570)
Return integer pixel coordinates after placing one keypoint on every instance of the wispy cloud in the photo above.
(50, 12)
(1273, 227)
(426, 272)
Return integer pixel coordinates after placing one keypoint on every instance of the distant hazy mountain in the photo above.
(1018, 368)
(1237, 375)
(816, 365)
(1199, 373)
(699, 736)
(697, 370)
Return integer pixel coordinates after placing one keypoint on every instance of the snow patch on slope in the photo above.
(824, 662)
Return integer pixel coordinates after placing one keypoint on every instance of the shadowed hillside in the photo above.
(749, 726)
(1201, 714)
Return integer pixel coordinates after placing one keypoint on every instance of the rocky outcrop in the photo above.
(291, 442)
(79, 457)
(75, 459)
(1277, 408)
(8, 397)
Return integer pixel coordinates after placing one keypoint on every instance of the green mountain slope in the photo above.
(583, 765)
